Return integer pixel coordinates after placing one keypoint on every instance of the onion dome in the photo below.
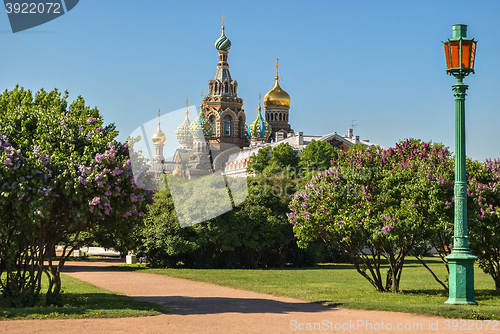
(177, 172)
(183, 131)
(260, 128)
(159, 137)
(201, 126)
(223, 43)
(277, 96)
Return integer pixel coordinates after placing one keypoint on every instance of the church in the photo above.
(218, 139)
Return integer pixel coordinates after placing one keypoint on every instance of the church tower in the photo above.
(222, 106)
(158, 139)
(277, 104)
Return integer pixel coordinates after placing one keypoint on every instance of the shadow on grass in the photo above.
(77, 305)
(328, 303)
(428, 292)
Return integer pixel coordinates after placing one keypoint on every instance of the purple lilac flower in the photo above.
(7, 162)
(99, 129)
(95, 201)
(99, 176)
(91, 120)
(44, 159)
(387, 228)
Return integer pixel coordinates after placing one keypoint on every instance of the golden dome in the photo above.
(277, 96)
(159, 137)
(177, 172)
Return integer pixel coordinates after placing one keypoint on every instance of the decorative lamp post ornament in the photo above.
(460, 54)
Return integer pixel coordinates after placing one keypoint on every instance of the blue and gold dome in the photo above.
(201, 126)
(260, 128)
(223, 43)
(183, 131)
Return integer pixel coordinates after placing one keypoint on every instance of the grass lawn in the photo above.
(340, 285)
(83, 300)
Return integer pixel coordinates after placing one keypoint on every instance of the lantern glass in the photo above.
(447, 54)
(455, 54)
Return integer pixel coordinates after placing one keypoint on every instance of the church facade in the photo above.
(218, 140)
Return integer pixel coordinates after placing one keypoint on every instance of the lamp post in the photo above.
(460, 55)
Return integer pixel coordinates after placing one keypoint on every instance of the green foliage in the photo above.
(64, 178)
(375, 204)
(316, 156)
(254, 234)
(281, 160)
(483, 215)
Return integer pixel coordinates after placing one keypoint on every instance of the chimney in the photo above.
(299, 138)
(349, 133)
(357, 139)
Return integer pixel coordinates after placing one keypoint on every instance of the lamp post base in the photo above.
(461, 289)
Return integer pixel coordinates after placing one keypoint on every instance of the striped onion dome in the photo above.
(201, 126)
(260, 128)
(183, 131)
(223, 43)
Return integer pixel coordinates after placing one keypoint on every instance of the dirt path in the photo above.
(207, 308)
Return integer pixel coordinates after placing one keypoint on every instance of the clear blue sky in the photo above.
(379, 62)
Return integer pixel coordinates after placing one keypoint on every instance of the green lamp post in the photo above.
(460, 55)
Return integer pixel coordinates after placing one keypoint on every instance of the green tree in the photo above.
(316, 156)
(483, 215)
(254, 234)
(64, 178)
(279, 160)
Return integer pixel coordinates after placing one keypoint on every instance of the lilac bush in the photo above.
(63, 179)
(376, 204)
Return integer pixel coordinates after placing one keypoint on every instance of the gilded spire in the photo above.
(259, 103)
(223, 23)
(277, 65)
(158, 116)
(201, 101)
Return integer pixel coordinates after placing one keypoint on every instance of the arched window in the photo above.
(275, 116)
(227, 126)
(213, 120)
(271, 116)
(280, 116)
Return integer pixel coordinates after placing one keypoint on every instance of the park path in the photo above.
(207, 308)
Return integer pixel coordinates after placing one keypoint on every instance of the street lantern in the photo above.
(460, 54)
